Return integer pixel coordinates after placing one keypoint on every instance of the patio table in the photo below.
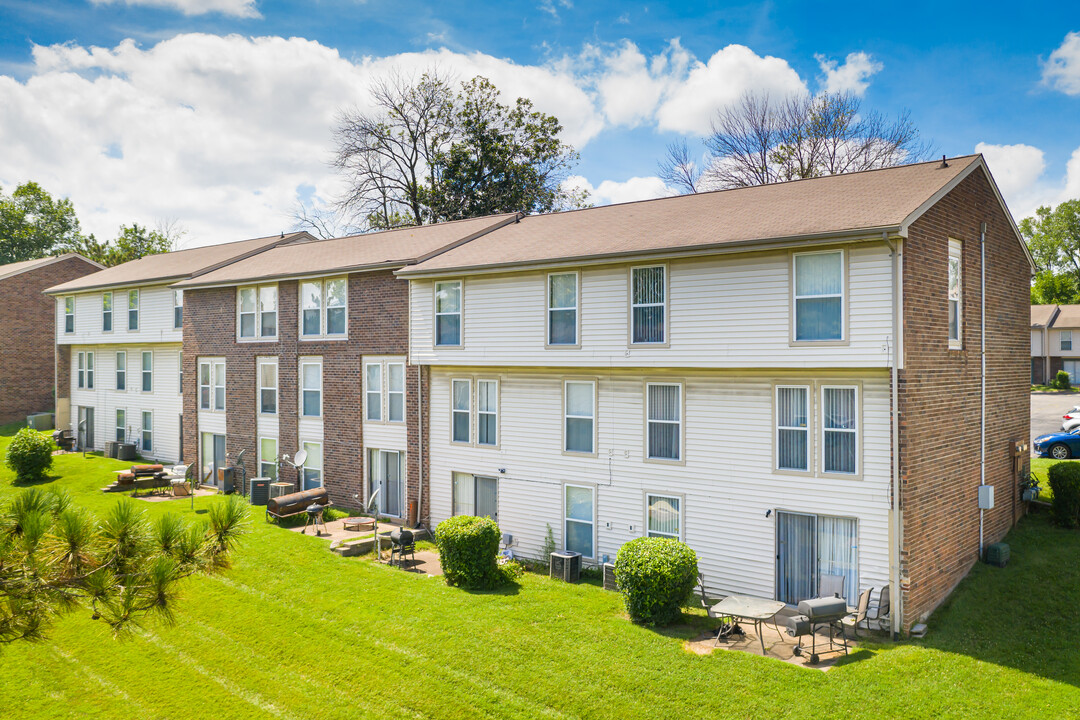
(749, 609)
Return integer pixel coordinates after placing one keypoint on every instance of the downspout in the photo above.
(420, 444)
(896, 530)
(982, 425)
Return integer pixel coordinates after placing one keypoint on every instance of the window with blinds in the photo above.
(792, 439)
(665, 516)
(311, 387)
(562, 309)
(268, 386)
(460, 410)
(839, 409)
(580, 416)
(664, 420)
(487, 412)
(448, 313)
(648, 304)
(819, 296)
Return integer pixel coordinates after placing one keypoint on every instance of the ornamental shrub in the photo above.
(468, 547)
(29, 455)
(1061, 380)
(656, 576)
(1065, 485)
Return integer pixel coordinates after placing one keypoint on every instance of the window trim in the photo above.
(208, 385)
(576, 345)
(261, 461)
(90, 370)
(384, 392)
(368, 391)
(109, 312)
(682, 512)
(137, 309)
(467, 411)
(309, 360)
(474, 477)
(595, 424)
(322, 334)
(630, 307)
(120, 428)
(80, 370)
(811, 437)
(498, 415)
(69, 314)
(646, 457)
(591, 488)
(845, 335)
(435, 314)
(143, 431)
(956, 250)
(178, 293)
(261, 362)
(258, 312)
(322, 461)
(1061, 339)
(142, 371)
(858, 431)
(404, 384)
(117, 370)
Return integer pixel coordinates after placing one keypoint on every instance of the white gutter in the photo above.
(896, 529)
(982, 319)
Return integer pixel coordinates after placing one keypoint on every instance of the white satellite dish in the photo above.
(299, 458)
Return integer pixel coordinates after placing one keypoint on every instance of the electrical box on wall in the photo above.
(986, 497)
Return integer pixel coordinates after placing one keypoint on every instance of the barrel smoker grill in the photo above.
(815, 614)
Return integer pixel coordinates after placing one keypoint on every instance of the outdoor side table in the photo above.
(749, 609)
(358, 523)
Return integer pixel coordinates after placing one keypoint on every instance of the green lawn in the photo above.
(295, 631)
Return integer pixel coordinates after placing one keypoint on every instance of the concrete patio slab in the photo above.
(778, 645)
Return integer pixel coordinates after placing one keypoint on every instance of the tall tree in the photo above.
(33, 224)
(1053, 237)
(760, 140)
(133, 242)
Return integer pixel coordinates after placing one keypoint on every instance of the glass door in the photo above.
(796, 557)
(211, 457)
(386, 474)
(86, 428)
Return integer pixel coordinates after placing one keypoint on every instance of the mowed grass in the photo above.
(294, 631)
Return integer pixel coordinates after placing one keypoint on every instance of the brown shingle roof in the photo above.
(1042, 314)
(177, 265)
(392, 248)
(1068, 317)
(22, 266)
(839, 204)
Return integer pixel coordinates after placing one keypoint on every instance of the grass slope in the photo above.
(294, 631)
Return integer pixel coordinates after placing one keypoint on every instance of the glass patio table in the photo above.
(743, 608)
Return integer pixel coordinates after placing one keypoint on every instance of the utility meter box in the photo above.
(986, 497)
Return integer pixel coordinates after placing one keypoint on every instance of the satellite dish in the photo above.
(299, 458)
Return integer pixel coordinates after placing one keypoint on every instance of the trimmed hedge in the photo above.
(656, 576)
(1061, 380)
(468, 547)
(29, 455)
(1065, 485)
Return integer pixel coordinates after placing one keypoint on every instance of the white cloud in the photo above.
(610, 191)
(851, 77)
(691, 104)
(1020, 172)
(1062, 70)
(236, 8)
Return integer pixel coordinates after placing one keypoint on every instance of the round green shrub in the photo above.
(1065, 485)
(656, 576)
(29, 455)
(468, 547)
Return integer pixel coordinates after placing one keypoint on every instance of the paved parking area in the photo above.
(1046, 412)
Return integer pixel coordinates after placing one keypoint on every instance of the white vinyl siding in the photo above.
(579, 416)
(324, 312)
(311, 387)
(106, 311)
(100, 318)
(268, 386)
(663, 429)
(792, 428)
(133, 310)
(448, 313)
(819, 296)
(648, 305)
(563, 309)
(663, 516)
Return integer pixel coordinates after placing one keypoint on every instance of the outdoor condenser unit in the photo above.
(259, 490)
(609, 577)
(565, 566)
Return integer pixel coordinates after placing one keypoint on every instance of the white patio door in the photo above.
(386, 474)
(809, 546)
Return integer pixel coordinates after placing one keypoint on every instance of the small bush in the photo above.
(1065, 486)
(656, 576)
(29, 455)
(1061, 380)
(467, 551)
(509, 571)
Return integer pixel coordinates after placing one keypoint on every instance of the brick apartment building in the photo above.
(27, 346)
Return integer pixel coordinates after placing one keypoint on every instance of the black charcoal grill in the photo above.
(314, 518)
(402, 544)
(816, 614)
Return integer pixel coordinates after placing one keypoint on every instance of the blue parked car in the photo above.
(1059, 445)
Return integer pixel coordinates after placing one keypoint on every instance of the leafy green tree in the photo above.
(33, 224)
(1053, 236)
(56, 558)
(132, 243)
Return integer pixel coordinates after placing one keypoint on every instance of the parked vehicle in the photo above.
(1060, 446)
(1071, 419)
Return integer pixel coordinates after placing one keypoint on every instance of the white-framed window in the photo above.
(219, 385)
(563, 309)
(819, 296)
(121, 370)
(257, 309)
(313, 465)
(69, 314)
(80, 370)
(147, 431)
(448, 312)
(212, 385)
(205, 370)
(579, 519)
(460, 391)
(323, 305)
(106, 312)
(648, 305)
(487, 412)
(663, 403)
(268, 386)
(311, 387)
(956, 294)
(395, 392)
(579, 416)
(147, 370)
(133, 309)
(89, 371)
(386, 474)
(180, 373)
(1066, 340)
(839, 429)
(663, 516)
(373, 392)
(475, 495)
(268, 458)
(178, 309)
(121, 425)
(792, 427)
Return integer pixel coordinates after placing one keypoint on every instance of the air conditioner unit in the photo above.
(565, 566)
(280, 488)
(259, 490)
(609, 577)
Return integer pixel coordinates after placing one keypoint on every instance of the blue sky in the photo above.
(216, 113)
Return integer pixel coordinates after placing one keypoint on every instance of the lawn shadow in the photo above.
(512, 588)
(33, 482)
(10, 429)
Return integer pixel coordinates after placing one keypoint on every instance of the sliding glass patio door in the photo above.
(386, 473)
(809, 546)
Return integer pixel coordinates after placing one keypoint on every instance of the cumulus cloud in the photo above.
(236, 8)
(610, 191)
(1061, 71)
(851, 77)
(1020, 172)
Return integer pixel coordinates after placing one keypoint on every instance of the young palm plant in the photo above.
(55, 558)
